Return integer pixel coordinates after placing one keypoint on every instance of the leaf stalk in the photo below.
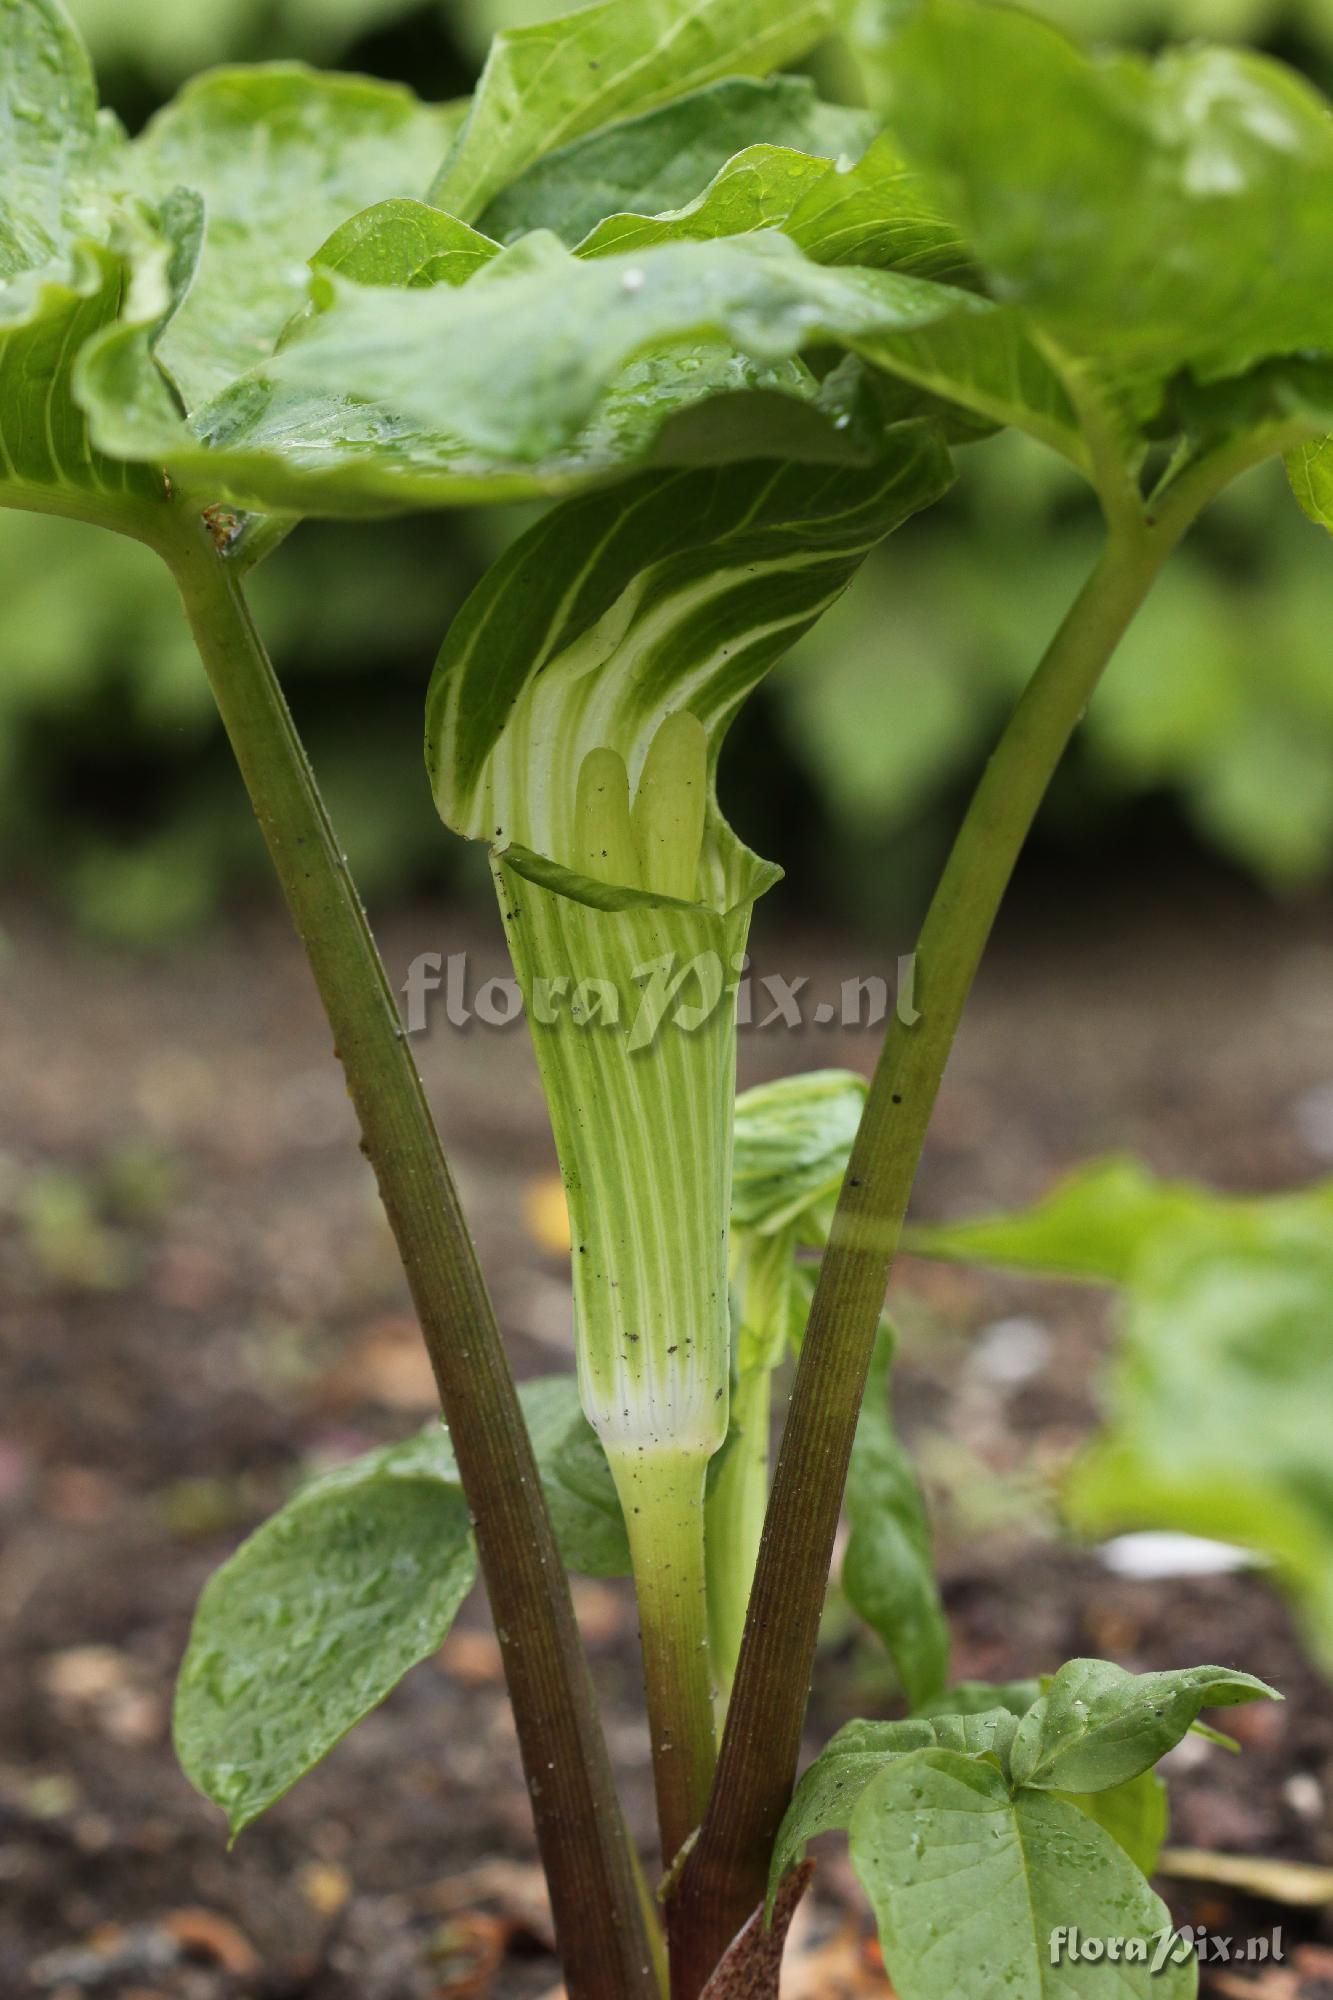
(724, 1877)
(590, 1867)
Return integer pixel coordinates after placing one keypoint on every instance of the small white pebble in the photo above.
(1011, 1350)
(1305, 1795)
(1158, 1553)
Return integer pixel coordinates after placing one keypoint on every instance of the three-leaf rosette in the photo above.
(998, 1822)
(574, 722)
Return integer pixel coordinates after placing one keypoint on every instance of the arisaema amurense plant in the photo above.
(737, 334)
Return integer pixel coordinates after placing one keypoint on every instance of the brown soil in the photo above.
(200, 1298)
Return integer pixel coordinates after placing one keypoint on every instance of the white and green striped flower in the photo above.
(574, 722)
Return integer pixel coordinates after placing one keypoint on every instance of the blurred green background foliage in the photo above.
(1215, 724)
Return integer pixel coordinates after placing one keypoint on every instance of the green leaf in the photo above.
(1220, 1290)
(971, 1885)
(546, 85)
(580, 1492)
(63, 264)
(757, 189)
(661, 160)
(887, 1570)
(312, 1622)
(1097, 1726)
(792, 1140)
(1217, 1399)
(281, 155)
(1102, 1220)
(1311, 471)
(576, 1479)
(973, 1721)
(872, 213)
(876, 212)
(827, 1794)
(1135, 1814)
(1068, 175)
(542, 372)
(319, 1615)
(976, 1697)
(53, 148)
(404, 243)
(1093, 1224)
(830, 1790)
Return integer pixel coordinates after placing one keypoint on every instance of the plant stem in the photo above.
(584, 1848)
(738, 1492)
(736, 1518)
(724, 1877)
(662, 1494)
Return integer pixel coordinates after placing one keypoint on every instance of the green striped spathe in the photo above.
(677, 591)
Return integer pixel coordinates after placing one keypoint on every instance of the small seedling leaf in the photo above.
(1097, 1726)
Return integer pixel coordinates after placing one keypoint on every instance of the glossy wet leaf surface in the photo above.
(1068, 175)
(546, 85)
(308, 1627)
(969, 1884)
(1097, 1726)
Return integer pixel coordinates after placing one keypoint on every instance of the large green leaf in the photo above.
(53, 147)
(1069, 175)
(1218, 1399)
(276, 156)
(312, 1622)
(1065, 176)
(546, 85)
(876, 212)
(404, 242)
(63, 267)
(318, 1616)
(849, 1786)
(662, 159)
(543, 371)
(281, 155)
(1097, 1726)
(757, 189)
(1002, 1749)
(888, 1572)
(971, 1885)
(576, 1478)
(1225, 1365)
